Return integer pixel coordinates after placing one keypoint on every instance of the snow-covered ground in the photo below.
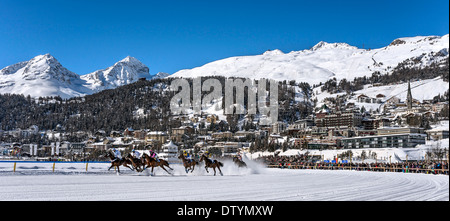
(71, 181)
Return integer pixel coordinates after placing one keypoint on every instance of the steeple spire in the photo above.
(409, 96)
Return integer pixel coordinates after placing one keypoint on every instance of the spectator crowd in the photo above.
(307, 162)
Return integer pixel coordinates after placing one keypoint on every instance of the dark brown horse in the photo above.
(239, 162)
(151, 162)
(212, 164)
(188, 164)
(116, 162)
(138, 164)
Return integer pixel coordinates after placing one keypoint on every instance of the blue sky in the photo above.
(171, 35)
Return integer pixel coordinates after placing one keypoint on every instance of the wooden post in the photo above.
(15, 166)
(87, 166)
(53, 166)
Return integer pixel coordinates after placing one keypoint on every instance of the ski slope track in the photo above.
(72, 182)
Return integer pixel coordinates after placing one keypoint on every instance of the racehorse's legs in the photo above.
(167, 165)
(126, 165)
(110, 167)
(214, 171)
(206, 167)
(164, 169)
(220, 170)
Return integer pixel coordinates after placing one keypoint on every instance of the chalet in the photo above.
(128, 132)
(183, 130)
(393, 100)
(100, 133)
(140, 134)
(115, 134)
(156, 138)
(366, 99)
(437, 107)
(380, 96)
(350, 105)
(363, 98)
(182, 133)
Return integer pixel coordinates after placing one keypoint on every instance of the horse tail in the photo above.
(220, 163)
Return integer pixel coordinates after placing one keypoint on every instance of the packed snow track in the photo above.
(72, 182)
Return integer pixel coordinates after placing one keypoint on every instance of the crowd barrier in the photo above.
(364, 168)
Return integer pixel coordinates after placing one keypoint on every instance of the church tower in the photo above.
(409, 96)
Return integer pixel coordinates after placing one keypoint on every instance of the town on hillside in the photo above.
(401, 124)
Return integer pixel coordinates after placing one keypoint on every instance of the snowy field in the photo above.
(71, 182)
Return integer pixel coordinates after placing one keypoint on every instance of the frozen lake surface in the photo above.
(71, 181)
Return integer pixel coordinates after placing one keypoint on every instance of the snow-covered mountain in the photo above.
(126, 71)
(44, 76)
(160, 75)
(327, 60)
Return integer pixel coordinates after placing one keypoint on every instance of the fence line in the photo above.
(361, 168)
(53, 165)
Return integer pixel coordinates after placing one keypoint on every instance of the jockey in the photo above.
(239, 156)
(187, 156)
(136, 154)
(154, 155)
(209, 156)
(117, 154)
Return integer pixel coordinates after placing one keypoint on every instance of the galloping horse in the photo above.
(137, 164)
(212, 164)
(151, 162)
(188, 164)
(239, 162)
(118, 162)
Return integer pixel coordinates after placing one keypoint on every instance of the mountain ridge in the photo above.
(326, 60)
(43, 75)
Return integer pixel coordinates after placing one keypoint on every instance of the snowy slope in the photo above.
(41, 76)
(420, 90)
(326, 60)
(126, 71)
